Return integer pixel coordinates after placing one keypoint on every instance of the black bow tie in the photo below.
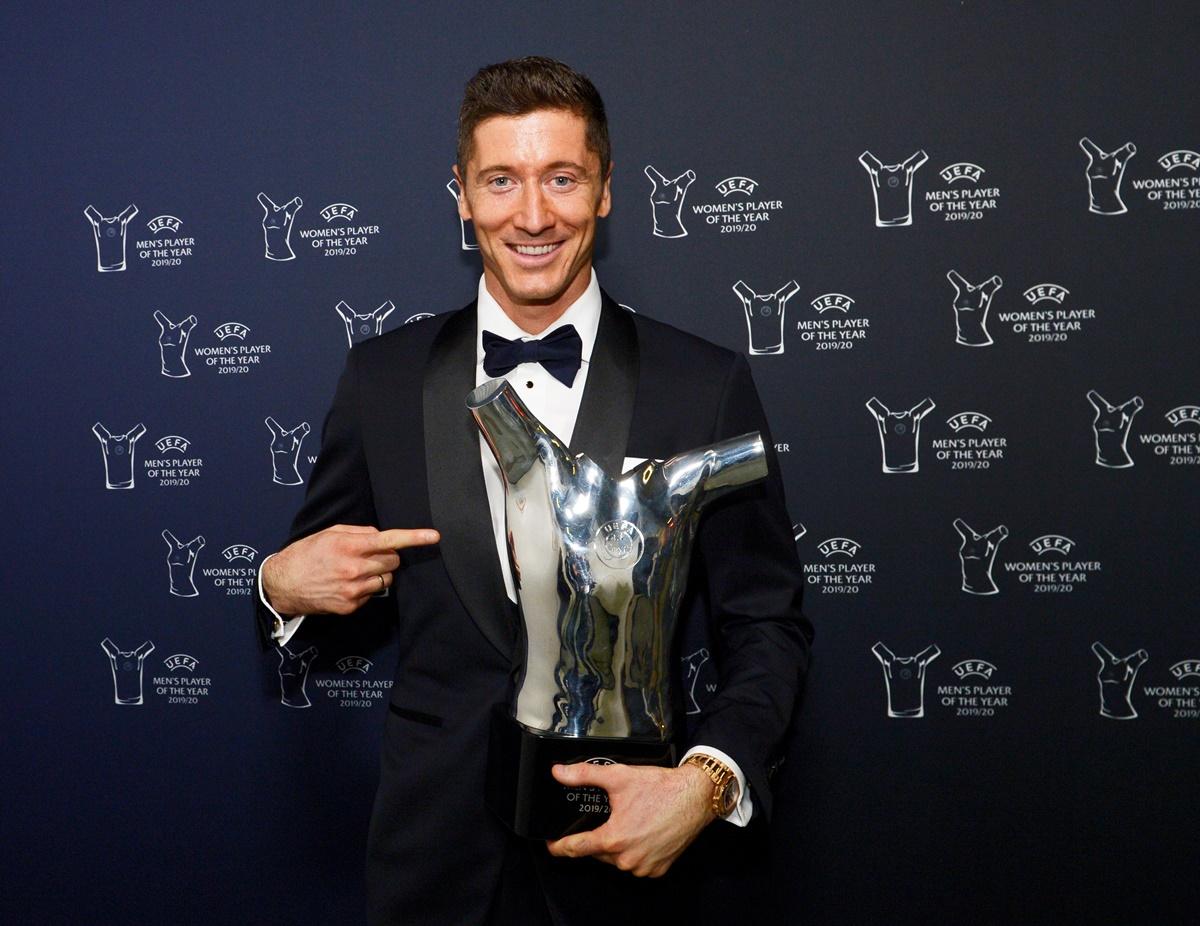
(560, 352)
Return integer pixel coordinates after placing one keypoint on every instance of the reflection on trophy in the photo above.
(600, 564)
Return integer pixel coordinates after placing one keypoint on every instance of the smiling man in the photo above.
(406, 496)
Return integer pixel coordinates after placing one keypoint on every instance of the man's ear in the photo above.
(464, 211)
(606, 193)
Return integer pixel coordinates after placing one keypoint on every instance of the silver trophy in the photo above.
(600, 564)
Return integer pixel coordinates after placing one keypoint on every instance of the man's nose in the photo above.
(535, 214)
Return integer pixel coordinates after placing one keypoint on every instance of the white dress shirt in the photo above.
(556, 406)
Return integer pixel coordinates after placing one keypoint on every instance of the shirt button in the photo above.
(528, 384)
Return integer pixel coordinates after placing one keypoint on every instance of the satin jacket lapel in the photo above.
(457, 498)
(606, 412)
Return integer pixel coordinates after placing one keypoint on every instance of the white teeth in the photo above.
(532, 249)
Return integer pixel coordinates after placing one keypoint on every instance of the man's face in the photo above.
(534, 191)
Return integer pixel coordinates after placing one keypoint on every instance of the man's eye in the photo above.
(501, 182)
(562, 182)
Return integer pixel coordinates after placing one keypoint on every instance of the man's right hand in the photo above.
(336, 570)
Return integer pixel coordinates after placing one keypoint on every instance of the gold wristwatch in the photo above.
(725, 784)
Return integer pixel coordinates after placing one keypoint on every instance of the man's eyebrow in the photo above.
(506, 168)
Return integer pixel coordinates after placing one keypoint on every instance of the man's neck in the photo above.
(534, 318)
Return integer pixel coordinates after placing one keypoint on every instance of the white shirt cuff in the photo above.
(744, 809)
(283, 628)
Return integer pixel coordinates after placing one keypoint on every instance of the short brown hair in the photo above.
(523, 85)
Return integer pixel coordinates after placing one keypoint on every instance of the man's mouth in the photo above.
(534, 250)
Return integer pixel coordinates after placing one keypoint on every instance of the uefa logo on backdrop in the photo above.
(181, 564)
(1116, 678)
(109, 233)
(1110, 429)
(363, 326)
(977, 556)
(1104, 172)
(736, 208)
(285, 451)
(168, 248)
(900, 434)
(892, 187)
(293, 676)
(336, 236)
(238, 576)
(974, 692)
(126, 670)
(971, 447)
(1056, 566)
(1048, 316)
(964, 195)
(971, 304)
(353, 686)
(182, 685)
(175, 465)
(764, 315)
(117, 451)
(837, 325)
(841, 570)
(904, 680)
(1180, 445)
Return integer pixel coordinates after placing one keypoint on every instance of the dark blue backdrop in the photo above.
(1010, 800)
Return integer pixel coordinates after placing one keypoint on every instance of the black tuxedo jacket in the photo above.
(399, 449)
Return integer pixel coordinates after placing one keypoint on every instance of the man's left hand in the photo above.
(656, 814)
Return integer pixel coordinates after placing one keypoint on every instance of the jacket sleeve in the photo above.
(753, 581)
(339, 489)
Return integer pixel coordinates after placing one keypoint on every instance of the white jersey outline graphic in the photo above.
(277, 224)
(895, 427)
(1110, 429)
(905, 689)
(765, 316)
(1104, 172)
(465, 240)
(181, 564)
(894, 209)
(977, 556)
(172, 345)
(285, 451)
(117, 450)
(971, 304)
(293, 676)
(1119, 675)
(126, 674)
(692, 664)
(666, 201)
(112, 239)
(372, 321)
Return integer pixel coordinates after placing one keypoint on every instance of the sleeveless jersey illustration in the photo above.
(892, 186)
(118, 454)
(360, 328)
(277, 226)
(285, 451)
(172, 344)
(181, 563)
(1110, 428)
(1104, 172)
(764, 316)
(110, 237)
(666, 202)
(466, 228)
(977, 554)
(899, 433)
(1116, 678)
(971, 304)
(293, 674)
(126, 670)
(904, 677)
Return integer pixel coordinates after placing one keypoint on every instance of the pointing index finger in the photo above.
(399, 538)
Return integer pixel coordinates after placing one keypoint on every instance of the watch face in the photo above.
(729, 796)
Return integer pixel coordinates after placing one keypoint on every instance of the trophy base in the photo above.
(522, 791)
